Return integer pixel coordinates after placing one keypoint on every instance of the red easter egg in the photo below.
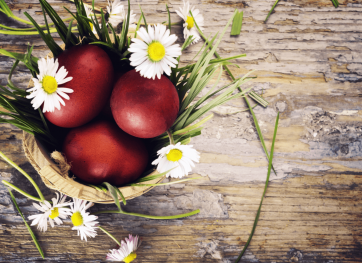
(92, 82)
(101, 152)
(142, 107)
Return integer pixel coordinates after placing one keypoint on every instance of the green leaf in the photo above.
(112, 190)
(168, 183)
(5, 9)
(237, 23)
(144, 18)
(27, 226)
(152, 177)
(169, 18)
(48, 39)
(335, 3)
(121, 195)
(33, 64)
(58, 23)
(262, 197)
(138, 26)
(259, 99)
(271, 10)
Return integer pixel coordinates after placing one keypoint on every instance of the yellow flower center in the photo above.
(77, 219)
(55, 213)
(174, 155)
(156, 51)
(130, 257)
(190, 22)
(49, 84)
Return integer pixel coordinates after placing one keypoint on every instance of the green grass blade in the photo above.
(144, 18)
(112, 190)
(169, 18)
(259, 99)
(262, 197)
(27, 226)
(152, 177)
(335, 3)
(24, 173)
(174, 182)
(271, 10)
(237, 23)
(121, 195)
(138, 26)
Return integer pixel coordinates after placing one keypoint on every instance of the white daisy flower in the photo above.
(155, 54)
(82, 221)
(190, 28)
(117, 14)
(51, 212)
(127, 250)
(180, 157)
(46, 88)
(90, 14)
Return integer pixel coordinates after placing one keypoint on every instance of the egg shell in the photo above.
(142, 107)
(101, 152)
(92, 83)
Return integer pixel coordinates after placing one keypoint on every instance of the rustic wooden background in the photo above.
(308, 58)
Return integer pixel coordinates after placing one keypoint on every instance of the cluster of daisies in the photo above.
(85, 223)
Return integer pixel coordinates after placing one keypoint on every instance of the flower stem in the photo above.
(170, 136)
(110, 235)
(24, 173)
(147, 216)
(21, 191)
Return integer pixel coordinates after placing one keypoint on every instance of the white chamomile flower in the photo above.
(190, 28)
(117, 14)
(156, 53)
(82, 221)
(180, 157)
(51, 212)
(46, 88)
(126, 252)
(90, 14)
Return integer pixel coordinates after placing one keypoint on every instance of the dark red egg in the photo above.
(142, 107)
(101, 152)
(92, 82)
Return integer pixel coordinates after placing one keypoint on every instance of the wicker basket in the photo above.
(52, 177)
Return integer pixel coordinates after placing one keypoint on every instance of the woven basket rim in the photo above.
(50, 174)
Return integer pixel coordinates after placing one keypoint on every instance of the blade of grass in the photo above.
(112, 190)
(138, 26)
(168, 183)
(271, 10)
(335, 3)
(21, 191)
(27, 226)
(147, 216)
(258, 98)
(121, 195)
(169, 18)
(262, 197)
(24, 173)
(237, 23)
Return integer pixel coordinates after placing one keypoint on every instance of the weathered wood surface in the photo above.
(309, 66)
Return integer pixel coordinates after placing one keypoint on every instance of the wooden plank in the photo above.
(309, 65)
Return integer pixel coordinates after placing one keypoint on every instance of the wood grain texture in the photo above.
(309, 65)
